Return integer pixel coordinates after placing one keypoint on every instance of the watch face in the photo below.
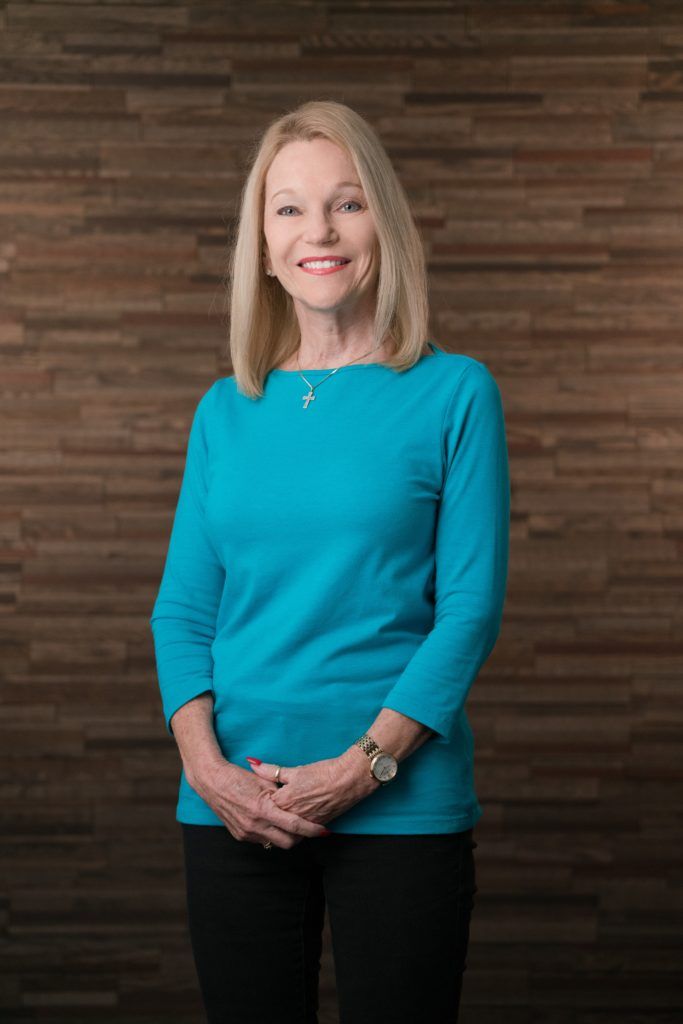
(384, 767)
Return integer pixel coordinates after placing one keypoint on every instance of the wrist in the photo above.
(201, 773)
(356, 768)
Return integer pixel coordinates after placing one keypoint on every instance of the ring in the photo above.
(268, 845)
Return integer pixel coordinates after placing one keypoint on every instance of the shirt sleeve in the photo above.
(471, 558)
(183, 620)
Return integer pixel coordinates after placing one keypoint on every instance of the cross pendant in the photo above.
(310, 397)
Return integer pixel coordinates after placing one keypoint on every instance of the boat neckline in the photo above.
(355, 366)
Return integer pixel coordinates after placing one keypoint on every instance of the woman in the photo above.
(334, 582)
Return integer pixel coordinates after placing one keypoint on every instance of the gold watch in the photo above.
(383, 766)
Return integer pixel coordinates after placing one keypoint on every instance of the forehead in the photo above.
(315, 166)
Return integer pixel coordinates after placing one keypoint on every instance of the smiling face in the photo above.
(315, 208)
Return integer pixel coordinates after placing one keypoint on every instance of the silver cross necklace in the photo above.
(310, 397)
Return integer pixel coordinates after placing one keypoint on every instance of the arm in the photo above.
(183, 620)
(394, 732)
(471, 560)
(183, 623)
(196, 739)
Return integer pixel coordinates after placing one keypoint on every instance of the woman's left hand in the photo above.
(321, 790)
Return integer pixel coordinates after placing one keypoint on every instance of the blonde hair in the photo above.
(264, 329)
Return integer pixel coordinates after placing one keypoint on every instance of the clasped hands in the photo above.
(254, 809)
(321, 790)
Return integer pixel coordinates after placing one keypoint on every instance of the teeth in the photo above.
(322, 264)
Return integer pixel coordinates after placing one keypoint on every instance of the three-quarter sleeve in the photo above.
(183, 619)
(471, 558)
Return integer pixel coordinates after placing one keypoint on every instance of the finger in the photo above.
(268, 771)
(290, 822)
(278, 837)
(304, 827)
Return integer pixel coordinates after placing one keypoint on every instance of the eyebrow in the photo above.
(342, 184)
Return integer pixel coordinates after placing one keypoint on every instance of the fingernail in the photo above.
(326, 832)
(254, 760)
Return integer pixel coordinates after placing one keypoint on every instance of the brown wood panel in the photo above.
(541, 145)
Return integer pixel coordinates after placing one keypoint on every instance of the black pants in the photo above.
(399, 909)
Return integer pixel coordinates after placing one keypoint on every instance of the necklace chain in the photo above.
(310, 397)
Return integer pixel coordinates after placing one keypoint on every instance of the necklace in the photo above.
(310, 397)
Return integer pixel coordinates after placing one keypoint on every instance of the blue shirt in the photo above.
(328, 561)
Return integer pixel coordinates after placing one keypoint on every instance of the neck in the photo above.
(308, 360)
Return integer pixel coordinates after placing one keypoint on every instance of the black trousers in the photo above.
(399, 911)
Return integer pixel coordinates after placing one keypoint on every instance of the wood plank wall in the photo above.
(541, 145)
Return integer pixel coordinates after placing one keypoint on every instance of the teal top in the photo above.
(329, 560)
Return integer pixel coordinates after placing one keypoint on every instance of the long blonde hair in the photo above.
(264, 329)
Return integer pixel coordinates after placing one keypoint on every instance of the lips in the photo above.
(316, 259)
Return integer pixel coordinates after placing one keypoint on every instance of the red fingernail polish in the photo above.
(254, 760)
(326, 832)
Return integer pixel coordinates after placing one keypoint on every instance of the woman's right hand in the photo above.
(243, 803)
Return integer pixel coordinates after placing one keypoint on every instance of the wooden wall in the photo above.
(541, 145)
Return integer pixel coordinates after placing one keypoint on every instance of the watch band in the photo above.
(373, 751)
(366, 743)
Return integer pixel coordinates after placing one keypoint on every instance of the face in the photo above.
(311, 210)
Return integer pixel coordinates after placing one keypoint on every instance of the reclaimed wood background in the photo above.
(542, 148)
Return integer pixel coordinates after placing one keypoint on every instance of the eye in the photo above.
(346, 202)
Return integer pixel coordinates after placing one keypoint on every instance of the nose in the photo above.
(319, 231)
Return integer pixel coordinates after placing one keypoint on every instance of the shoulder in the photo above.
(466, 376)
(212, 396)
(474, 410)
